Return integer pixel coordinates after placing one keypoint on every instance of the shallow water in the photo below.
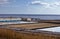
(53, 29)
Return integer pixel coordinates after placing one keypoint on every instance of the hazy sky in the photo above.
(29, 6)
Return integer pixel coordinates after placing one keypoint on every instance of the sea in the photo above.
(40, 16)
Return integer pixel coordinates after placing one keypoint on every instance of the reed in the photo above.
(11, 34)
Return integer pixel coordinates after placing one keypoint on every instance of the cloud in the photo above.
(38, 2)
(4, 2)
(46, 4)
(42, 4)
(56, 4)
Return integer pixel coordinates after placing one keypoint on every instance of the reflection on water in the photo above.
(53, 29)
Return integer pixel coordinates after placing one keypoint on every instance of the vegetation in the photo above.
(11, 34)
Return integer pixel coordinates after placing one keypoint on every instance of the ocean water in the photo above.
(3, 22)
(40, 16)
(9, 20)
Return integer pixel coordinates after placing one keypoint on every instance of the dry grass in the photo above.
(10, 34)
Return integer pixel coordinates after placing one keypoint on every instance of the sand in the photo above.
(32, 26)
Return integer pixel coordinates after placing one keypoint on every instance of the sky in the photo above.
(29, 6)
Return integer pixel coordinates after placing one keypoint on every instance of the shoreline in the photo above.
(28, 30)
(37, 23)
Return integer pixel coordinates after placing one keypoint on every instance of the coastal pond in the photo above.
(52, 29)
